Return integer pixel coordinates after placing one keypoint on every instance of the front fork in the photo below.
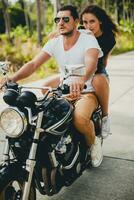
(30, 162)
(5, 157)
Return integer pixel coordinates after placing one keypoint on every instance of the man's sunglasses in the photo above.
(65, 19)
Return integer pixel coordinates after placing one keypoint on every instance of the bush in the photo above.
(127, 27)
(123, 44)
(23, 49)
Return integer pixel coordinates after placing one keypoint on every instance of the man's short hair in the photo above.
(72, 9)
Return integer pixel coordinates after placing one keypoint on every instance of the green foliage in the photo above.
(16, 18)
(23, 49)
(20, 51)
(20, 32)
(49, 20)
(123, 44)
(127, 26)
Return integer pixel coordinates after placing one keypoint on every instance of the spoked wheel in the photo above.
(14, 191)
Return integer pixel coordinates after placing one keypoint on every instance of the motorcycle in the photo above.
(43, 150)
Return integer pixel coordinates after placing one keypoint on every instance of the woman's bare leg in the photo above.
(101, 86)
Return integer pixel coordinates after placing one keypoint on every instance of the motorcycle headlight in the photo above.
(13, 122)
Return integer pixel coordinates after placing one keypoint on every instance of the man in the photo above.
(72, 49)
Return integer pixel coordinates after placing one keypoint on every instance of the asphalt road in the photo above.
(114, 179)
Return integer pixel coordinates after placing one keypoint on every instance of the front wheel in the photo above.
(12, 184)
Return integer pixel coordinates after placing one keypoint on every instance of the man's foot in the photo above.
(96, 152)
(105, 129)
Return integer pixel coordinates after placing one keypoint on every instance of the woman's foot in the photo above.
(105, 129)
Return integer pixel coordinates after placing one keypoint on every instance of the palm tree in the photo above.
(6, 18)
(38, 6)
(24, 8)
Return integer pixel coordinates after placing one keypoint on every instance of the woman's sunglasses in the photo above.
(65, 19)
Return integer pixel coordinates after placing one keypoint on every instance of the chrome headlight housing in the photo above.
(13, 122)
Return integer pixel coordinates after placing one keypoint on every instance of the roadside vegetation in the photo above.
(23, 41)
(125, 38)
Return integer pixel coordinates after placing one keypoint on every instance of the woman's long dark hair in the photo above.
(107, 26)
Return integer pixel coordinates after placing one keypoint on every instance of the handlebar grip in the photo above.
(65, 89)
(85, 86)
(12, 85)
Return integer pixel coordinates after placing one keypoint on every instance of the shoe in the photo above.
(96, 152)
(105, 128)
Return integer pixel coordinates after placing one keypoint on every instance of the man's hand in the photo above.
(3, 82)
(76, 86)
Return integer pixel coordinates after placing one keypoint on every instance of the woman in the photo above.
(95, 19)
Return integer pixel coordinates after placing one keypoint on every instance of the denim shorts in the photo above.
(103, 72)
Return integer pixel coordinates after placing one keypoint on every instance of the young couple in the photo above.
(72, 48)
(96, 21)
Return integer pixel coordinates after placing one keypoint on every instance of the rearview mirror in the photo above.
(4, 67)
(75, 70)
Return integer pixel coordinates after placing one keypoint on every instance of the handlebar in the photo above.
(65, 89)
(12, 88)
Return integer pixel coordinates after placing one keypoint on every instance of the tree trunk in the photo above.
(6, 18)
(24, 8)
(38, 6)
(116, 11)
(124, 14)
(55, 6)
(43, 12)
(69, 2)
(103, 4)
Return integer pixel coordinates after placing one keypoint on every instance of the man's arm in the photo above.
(28, 68)
(91, 60)
(78, 83)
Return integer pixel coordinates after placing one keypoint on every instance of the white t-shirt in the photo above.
(74, 58)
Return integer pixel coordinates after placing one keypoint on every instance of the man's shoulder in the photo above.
(52, 45)
(86, 35)
(85, 31)
(87, 38)
(52, 42)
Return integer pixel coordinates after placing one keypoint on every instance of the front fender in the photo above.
(9, 172)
